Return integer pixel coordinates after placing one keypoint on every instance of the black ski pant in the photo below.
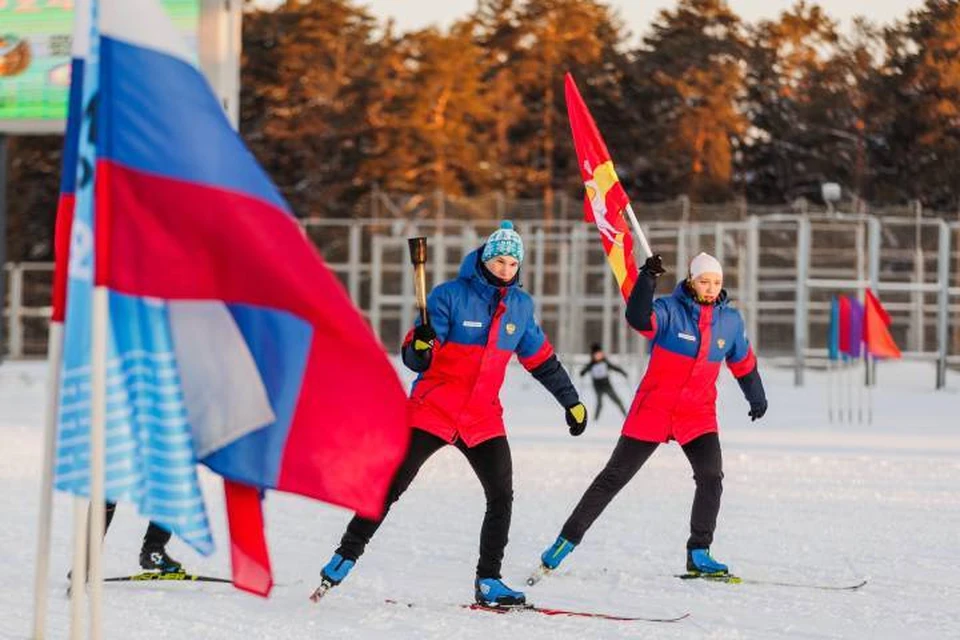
(603, 387)
(627, 458)
(493, 465)
(156, 537)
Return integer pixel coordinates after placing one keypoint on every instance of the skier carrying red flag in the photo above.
(691, 332)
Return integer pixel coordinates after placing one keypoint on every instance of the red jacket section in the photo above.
(677, 397)
(479, 327)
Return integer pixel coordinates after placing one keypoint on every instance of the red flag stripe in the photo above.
(248, 545)
(605, 200)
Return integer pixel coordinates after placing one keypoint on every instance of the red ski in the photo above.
(547, 611)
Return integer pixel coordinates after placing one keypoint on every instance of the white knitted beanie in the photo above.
(704, 263)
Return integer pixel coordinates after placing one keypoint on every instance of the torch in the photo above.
(418, 256)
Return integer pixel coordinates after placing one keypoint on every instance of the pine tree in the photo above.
(692, 76)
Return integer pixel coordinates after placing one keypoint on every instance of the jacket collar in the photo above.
(685, 296)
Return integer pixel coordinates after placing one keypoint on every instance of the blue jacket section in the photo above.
(461, 312)
(479, 326)
(677, 396)
(677, 327)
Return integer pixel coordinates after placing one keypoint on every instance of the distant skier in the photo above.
(476, 323)
(692, 331)
(599, 368)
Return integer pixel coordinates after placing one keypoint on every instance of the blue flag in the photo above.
(150, 458)
(833, 331)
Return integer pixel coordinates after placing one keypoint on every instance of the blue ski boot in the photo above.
(550, 559)
(491, 592)
(699, 561)
(555, 553)
(335, 572)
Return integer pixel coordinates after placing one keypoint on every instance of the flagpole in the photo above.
(639, 232)
(860, 387)
(847, 390)
(830, 389)
(41, 574)
(79, 572)
(98, 412)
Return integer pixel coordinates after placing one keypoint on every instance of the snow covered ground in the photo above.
(804, 501)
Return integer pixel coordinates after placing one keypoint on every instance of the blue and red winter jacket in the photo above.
(479, 327)
(677, 398)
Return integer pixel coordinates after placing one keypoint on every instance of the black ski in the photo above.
(732, 579)
(549, 611)
(155, 576)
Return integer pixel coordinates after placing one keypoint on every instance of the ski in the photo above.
(319, 592)
(732, 579)
(549, 611)
(539, 574)
(156, 576)
(176, 576)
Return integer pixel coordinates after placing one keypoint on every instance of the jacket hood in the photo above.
(470, 270)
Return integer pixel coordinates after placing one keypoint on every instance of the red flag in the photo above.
(605, 201)
(248, 546)
(843, 309)
(876, 333)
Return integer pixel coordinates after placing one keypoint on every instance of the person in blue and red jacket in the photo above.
(477, 322)
(692, 332)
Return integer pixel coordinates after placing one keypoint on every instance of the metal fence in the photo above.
(780, 270)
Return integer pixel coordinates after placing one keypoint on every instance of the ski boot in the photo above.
(551, 559)
(156, 559)
(331, 575)
(701, 563)
(491, 592)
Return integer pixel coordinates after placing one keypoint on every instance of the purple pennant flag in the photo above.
(855, 346)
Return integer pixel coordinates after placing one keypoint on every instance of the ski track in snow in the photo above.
(804, 501)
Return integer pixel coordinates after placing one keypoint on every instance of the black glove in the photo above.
(757, 409)
(653, 266)
(423, 338)
(576, 416)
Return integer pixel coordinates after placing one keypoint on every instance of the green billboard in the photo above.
(35, 41)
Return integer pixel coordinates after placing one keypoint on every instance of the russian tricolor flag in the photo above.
(229, 341)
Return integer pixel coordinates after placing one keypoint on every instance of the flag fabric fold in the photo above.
(68, 172)
(232, 342)
(876, 329)
(833, 331)
(855, 330)
(605, 201)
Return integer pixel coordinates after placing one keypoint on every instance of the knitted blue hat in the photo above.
(503, 242)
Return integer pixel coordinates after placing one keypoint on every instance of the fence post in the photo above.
(439, 251)
(718, 235)
(916, 339)
(353, 263)
(14, 324)
(682, 259)
(800, 322)
(943, 303)
(753, 275)
(3, 233)
(539, 264)
(874, 240)
(376, 282)
(563, 297)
